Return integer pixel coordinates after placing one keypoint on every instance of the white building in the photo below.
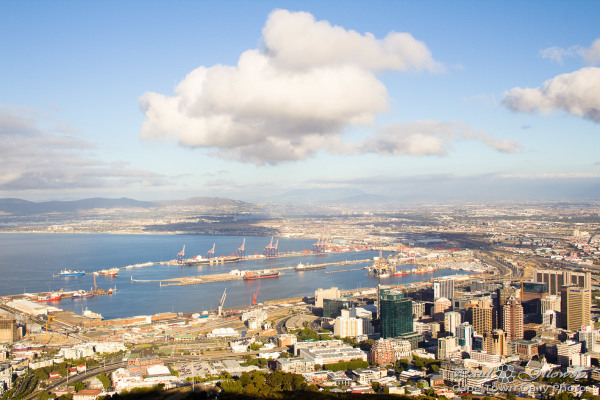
(443, 287)
(569, 354)
(348, 327)
(549, 319)
(452, 320)
(332, 355)
(320, 294)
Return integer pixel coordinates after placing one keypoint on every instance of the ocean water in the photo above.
(29, 261)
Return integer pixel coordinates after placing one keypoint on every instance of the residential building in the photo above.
(481, 317)
(495, 342)
(452, 320)
(348, 327)
(443, 287)
(447, 347)
(512, 319)
(382, 352)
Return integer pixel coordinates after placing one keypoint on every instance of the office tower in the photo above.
(9, 330)
(512, 319)
(481, 317)
(443, 287)
(447, 347)
(551, 302)
(441, 305)
(550, 319)
(502, 295)
(464, 334)
(452, 320)
(534, 291)
(587, 337)
(556, 279)
(332, 308)
(494, 342)
(576, 307)
(395, 313)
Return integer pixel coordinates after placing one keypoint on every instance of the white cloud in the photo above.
(429, 137)
(33, 159)
(577, 93)
(289, 100)
(590, 55)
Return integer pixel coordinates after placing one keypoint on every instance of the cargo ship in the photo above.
(81, 293)
(302, 267)
(67, 272)
(108, 272)
(401, 273)
(49, 297)
(251, 275)
(197, 260)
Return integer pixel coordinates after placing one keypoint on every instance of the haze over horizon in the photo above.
(432, 100)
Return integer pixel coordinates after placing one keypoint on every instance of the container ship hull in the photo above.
(308, 267)
(250, 276)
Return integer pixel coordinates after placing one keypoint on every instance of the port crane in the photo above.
(221, 303)
(241, 251)
(180, 255)
(255, 294)
(211, 252)
(270, 249)
(50, 318)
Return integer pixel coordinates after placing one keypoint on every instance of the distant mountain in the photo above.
(205, 201)
(318, 195)
(24, 207)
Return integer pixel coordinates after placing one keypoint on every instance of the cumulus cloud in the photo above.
(577, 93)
(428, 137)
(34, 159)
(289, 99)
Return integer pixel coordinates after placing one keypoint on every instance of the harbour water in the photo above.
(29, 261)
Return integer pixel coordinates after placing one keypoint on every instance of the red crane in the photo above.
(255, 294)
(270, 250)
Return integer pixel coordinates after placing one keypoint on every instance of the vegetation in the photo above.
(106, 382)
(344, 366)
(264, 385)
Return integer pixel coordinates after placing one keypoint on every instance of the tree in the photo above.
(376, 387)
(511, 396)
(106, 382)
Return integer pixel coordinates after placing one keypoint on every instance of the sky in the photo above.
(428, 100)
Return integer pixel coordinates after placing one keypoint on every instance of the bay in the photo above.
(29, 261)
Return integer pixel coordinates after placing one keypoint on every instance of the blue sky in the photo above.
(319, 100)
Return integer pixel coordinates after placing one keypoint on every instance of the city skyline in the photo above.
(437, 101)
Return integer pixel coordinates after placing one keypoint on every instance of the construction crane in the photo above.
(50, 318)
(241, 251)
(211, 252)
(221, 303)
(255, 294)
(180, 255)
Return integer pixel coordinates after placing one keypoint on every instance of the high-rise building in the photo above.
(418, 309)
(440, 306)
(576, 307)
(9, 330)
(320, 294)
(587, 337)
(443, 287)
(348, 327)
(382, 352)
(464, 334)
(534, 291)
(395, 313)
(332, 308)
(512, 319)
(502, 295)
(550, 319)
(447, 347)
(494, 342)
(556, 279)
(452, 320)
(551, 302)
(481, 317)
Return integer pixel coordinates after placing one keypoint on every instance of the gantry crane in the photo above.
(255, 294)
(222, 302)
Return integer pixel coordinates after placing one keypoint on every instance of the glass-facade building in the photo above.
(332, 308)
(395, 312)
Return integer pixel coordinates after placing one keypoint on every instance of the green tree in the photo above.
(376, 387)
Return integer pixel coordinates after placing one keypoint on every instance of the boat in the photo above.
(251, 275)
(49, 297)
(302, 267)
(228, 259)
(401, 273)
(197, 260)
(91, 314)
(386, 275)
(81, 293)
(67, 272)
(108, 272)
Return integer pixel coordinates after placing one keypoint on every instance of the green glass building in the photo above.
(332, 308)
(395, 313)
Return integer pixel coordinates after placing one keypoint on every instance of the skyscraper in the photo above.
(464, 333)
(481, 316)
(556, 279)
(576, 307)
(512, 319)
(452, 320)
(494, 342)
(443, 287)
(395, 313)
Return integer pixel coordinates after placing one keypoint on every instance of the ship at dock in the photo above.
(308, 267)
(68, 272)
(113, 272)
(53, 296)
(252, 275)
